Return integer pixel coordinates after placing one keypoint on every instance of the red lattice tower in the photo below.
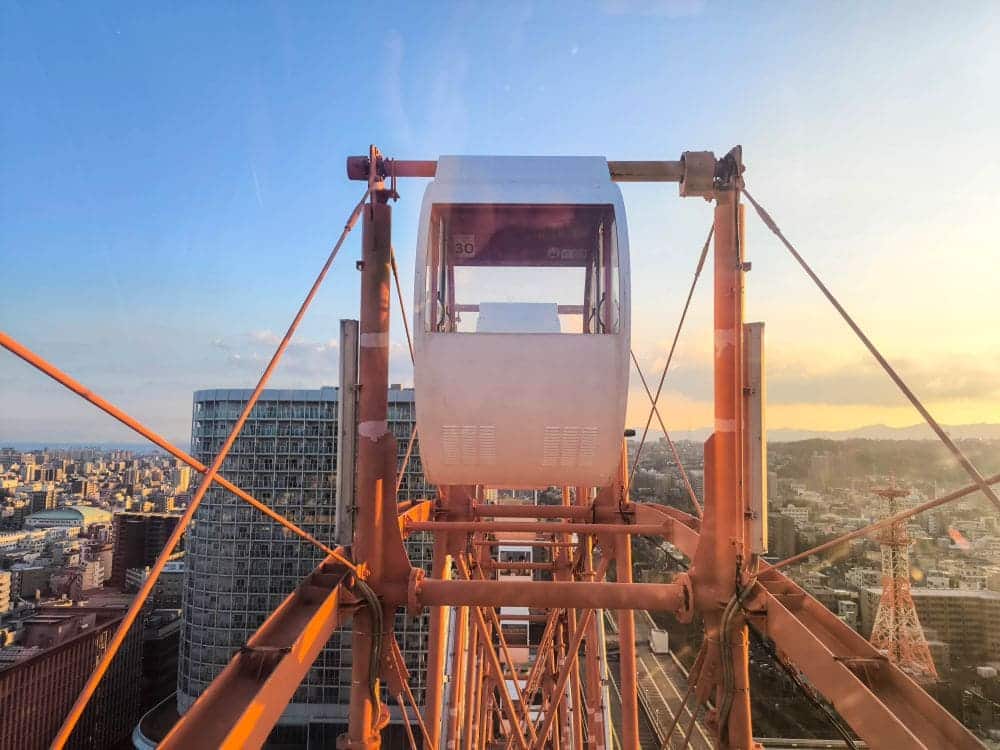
(897, 629)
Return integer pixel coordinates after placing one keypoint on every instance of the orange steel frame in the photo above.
(482, 690)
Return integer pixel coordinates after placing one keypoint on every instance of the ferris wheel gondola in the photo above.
(522, 322)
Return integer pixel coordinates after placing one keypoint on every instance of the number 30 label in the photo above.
(464, 245)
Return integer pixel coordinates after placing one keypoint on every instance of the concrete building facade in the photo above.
(37, 692)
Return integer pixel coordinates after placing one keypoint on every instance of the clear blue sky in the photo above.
(171, 178)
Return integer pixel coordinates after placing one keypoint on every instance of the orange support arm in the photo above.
(242, 705)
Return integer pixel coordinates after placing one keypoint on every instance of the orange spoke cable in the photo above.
(560, 688)
(691, 726)
(207, 479)
(493, 662)
(406, 722)
(666, 744)
(406, 458)
(673, 346)
(505, 649)
(420, 718)
(673, 448)
(62, 378)
(402, 305)
(883, 523)
(533, 682)
(969, 467)
(409, 343)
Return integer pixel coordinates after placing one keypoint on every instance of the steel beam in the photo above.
(242, 705)
(532, 511)
(883, 705)
(358, 168)
(661, 597)
(540, 527)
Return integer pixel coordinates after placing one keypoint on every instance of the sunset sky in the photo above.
(171, 179)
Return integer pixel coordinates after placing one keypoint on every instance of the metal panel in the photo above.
(347, 409)
(755, 395)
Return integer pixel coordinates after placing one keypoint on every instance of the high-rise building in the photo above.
(180, 478)
(782, 536)
(160, 639)
(241, 565)
(43, 498)
(138, 540)
(4, 591)
(59, 650)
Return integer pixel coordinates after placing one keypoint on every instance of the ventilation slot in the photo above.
(469, 444)
(550, 446)
(588, 440)
(487, 444)
(470, 448)
(570, 446)
(449, 434)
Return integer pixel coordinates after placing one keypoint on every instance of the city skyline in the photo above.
(177, 213)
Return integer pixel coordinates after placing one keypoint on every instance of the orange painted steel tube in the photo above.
(666, 597)
(723, 536)
(457, 678)
(620, 171)
(628, 668)
(521, 543)
(554, 527)
(133, 611)
(437, 648)
(373, 436)
(532, 511)
(519, 566)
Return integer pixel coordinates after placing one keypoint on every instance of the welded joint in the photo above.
(413, 606)
(686, 612)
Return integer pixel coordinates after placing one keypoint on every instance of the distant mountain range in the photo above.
(984, 431)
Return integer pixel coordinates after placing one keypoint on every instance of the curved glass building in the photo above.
(241, 565)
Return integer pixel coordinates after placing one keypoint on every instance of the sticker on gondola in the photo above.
(464, 245)
(566, 254)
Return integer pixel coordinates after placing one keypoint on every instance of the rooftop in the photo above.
(83, 514)
(324, 394)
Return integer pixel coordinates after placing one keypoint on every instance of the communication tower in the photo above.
(897, 629)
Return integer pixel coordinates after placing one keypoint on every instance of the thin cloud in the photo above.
(661, 8)
(304, 362)
(857, 383)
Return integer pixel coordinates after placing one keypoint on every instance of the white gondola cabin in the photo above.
(521, 322)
